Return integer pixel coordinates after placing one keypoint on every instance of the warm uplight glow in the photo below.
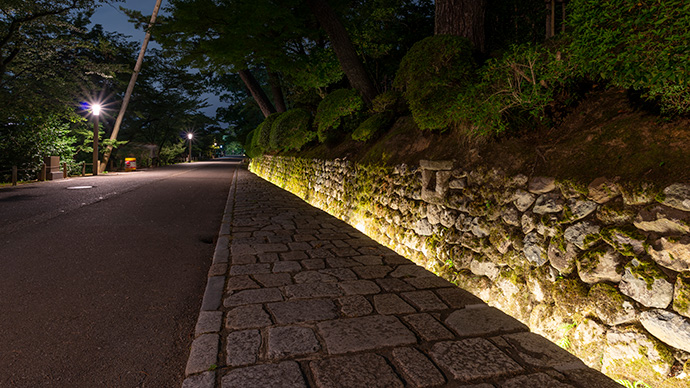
(95, 109)
(189, 136)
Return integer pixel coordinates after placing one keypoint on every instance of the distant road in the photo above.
(100, 286)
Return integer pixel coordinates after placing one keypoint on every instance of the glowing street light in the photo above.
(95, 111)
(189, 136)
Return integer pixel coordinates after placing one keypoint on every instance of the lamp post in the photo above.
(189, 136)
(95, 111)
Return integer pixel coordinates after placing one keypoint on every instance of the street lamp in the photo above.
(189, 136)
(95, 111)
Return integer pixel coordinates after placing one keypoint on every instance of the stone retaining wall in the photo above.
(603, 270)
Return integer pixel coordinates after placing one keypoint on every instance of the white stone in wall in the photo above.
(564, 262)
(601, 267)
(463, 222)
(457, 184)
(484, 268)
(578, 233)
(627, 346)
(523, 200)
(479, 227)
(581, 208)
(436, 165)
(602, 190)
(510, 216)
(672, 253)
(541, 184)
(549, 230)
(519, 180)
(677, 196)
(548, 203)
(448, 217)
(650, 292)
(424, 227)
(433, 214)
(663, 219)
(670, 328)
(533, 249)
(528, 222)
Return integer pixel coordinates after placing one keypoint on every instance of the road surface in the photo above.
(101, 286)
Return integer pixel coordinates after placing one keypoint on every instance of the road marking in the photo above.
(79, 187)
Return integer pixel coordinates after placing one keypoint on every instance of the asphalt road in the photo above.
(101, 286)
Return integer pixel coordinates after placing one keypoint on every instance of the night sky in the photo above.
(114, 20)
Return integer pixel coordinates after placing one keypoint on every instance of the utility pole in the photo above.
(132, 81)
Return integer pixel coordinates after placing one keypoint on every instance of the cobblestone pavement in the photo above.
(298, 298)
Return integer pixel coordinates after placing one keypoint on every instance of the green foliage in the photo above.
(172, 152)
(517, 86)
(372, 126)
(642, 45)
(432, 74)
(292, 130)
(389, 101)
(337, 113)
(264, 129)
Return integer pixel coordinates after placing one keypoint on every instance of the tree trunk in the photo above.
(462, 18)
(257, 92)
(276, 90)
(347, 55)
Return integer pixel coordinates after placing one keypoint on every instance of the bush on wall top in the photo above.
(338, 112)
(292, 130)
(432, 74)
(641, 45)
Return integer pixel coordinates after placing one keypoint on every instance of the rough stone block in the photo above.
(203, 354)
(286, 374)
(312, 290)
(417, 368)
(286, 266)
(363, 370)
(482, 321)
(239, 283)
(303, 311)
(247, 317)
(670, 328)
(359, 287)
(204, 380)
(262, 295)
(424, 300)
(365, 333)
(289, 341)
(391, 304)
(372, 271)
(208, 322)
(250, 269)
(242, 347)
(427, 327)
(473, 359)
(535, 380)
(355, 306)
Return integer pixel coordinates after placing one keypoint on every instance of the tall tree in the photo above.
(462, 18)
(342, 45)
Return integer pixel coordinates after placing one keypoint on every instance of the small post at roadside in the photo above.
(14, 175)
(64, 170)
(83, 168)
(42, 175)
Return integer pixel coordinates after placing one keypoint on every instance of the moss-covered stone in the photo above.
(570, 295)
(615, 213)
(609, 305)
(632, 354)
(681, 295)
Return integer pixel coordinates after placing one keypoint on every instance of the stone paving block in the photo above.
(203, 354)
(250, 269)
(341, 262)
(280, 239)
(417, 368)
(286, 266)
(312, 264)
(247, 317)
(289, 341)
(242, 347)
(218, 269)
(268, 257)
(340, 244)
(391, 304)
(299, 246)
(273, 279)
(343, 274)
(424, 300)
(303, 311)
(590, 378)
(473, 359)
(372, 271)
(314, 277)
(394, 285)
(204, 380)
(457, 298)
(368, 260)
(472, 322)
(363, 370)
(312, 290)
(355, 306)
(429, 282)
(374, 250)
(427, 327)
(322, 244)
(537, 351)
(266, 248)
(242, 249)
(294, 255)
(359, 287)
(319, 253)
(365, 333)
(208, 322)
(213, 294)
(411, 270)
(535, 380)
(243, 259)
(262, 295)
(395, 259)
(303, 237)
(286, 374)
(345, 252)
(239, 283)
